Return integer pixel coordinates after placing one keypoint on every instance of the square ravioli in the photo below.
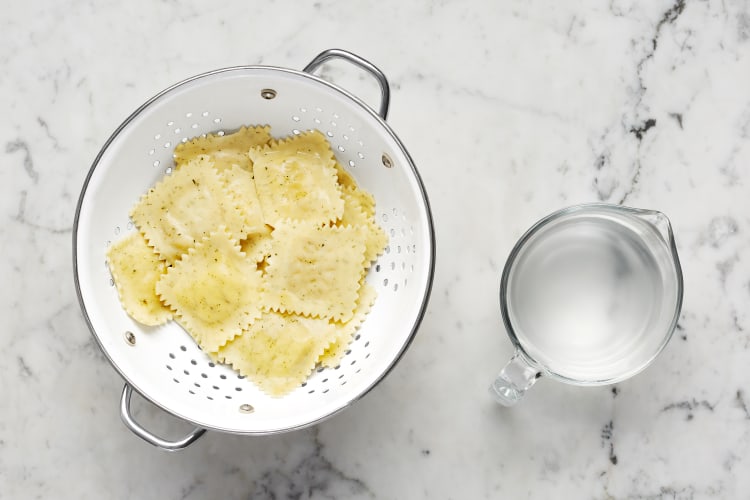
(135, 269)
(214, 291)
(296, 179)
(359, 212)
(186, 206)
(331, 357)
(240, 183)
(226, 150)
(314, 270)
(279, 351)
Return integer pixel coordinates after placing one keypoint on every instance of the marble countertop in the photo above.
(510, 110)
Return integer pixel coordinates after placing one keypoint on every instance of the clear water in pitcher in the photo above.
(591, 295)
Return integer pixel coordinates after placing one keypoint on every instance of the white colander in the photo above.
(163, 363)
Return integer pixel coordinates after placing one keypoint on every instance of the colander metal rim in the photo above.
(430, 232)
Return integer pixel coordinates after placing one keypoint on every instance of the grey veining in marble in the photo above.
(511, 110)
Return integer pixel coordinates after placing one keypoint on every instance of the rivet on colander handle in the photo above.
(142, 433)
(385, 90)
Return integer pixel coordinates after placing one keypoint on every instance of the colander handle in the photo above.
(142, 433)
(385, 91)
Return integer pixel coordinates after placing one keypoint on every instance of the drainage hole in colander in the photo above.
(167, 145)
(196, 384)
(157, 137)
(329, 133)
(325, 380)
(395, 287)
(194, 125)
(351, 163)
(209, 397)
(238, 389)
(169, 367)
(186, 372)
(325, 391)
(367, 355)
(311, 391)
(341, 148)
(176, 381)
(377, 268)
(295, 131)
(168, 171)
(304, 110)
(177, 130)
(295, 118)
(193, 362)
(317, 120)
(217, 120)
(216, 387)
(333, 123)
(191, 392)
(341, 376)
(183, 348)
(367, 343)
(204, 375)
(205, 113)
(223, 377)
(152, 151)
(228, 397)
(240, 377)
(385, 282)
(211, 364)
(361, 156)
(157, 163)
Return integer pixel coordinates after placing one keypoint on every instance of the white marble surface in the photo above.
(510, 110)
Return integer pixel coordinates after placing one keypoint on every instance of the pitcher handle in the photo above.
(517, 377)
